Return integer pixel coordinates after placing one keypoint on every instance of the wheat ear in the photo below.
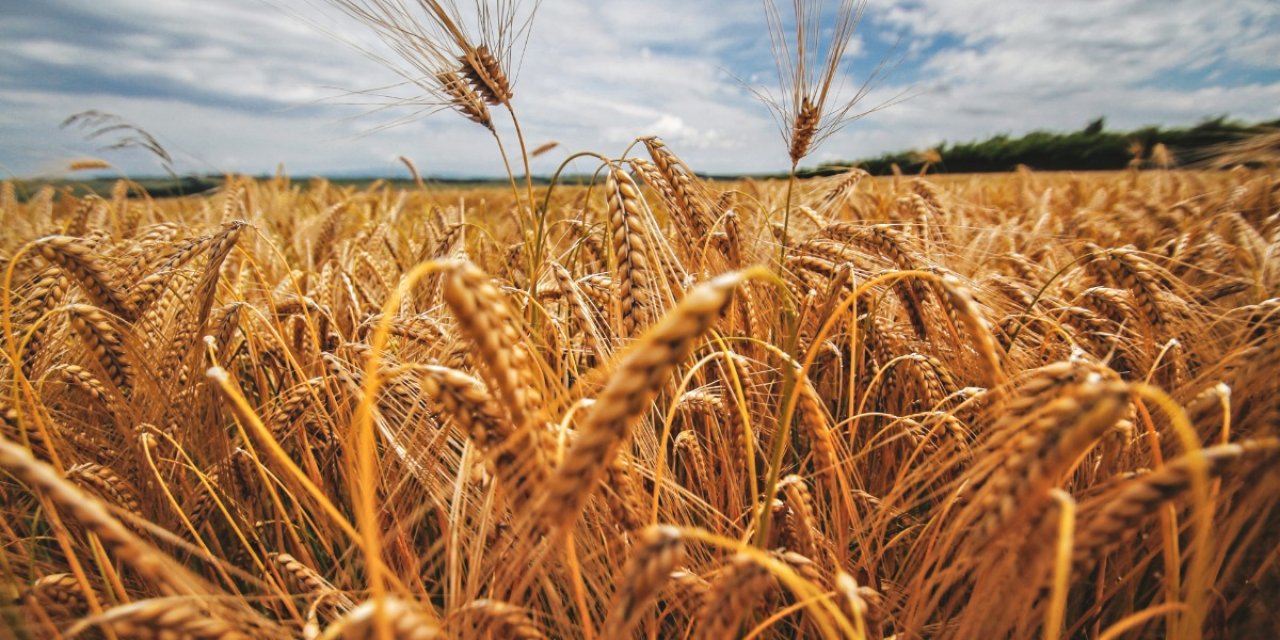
(659, 552)
(407, 621)
(106, 344)
(626, 398)
(485, 73)
(465, 98)
(634, 281)
(76, 258)
(516, 454)
(180, 618)
(60, 594)
(483, 314)
(107, 484)
(1140, 497)
(501, 619)
(731, 595)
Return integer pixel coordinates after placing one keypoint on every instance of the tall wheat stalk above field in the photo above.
(811, 61)
(809, 66)
(461, 61)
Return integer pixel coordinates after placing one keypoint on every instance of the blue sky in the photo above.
(244, 85)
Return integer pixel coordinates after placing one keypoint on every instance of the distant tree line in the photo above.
(1091, 148)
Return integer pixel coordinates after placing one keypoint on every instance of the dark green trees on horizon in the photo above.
(1091, 148)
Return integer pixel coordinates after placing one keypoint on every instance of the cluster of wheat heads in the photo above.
(1022, 405)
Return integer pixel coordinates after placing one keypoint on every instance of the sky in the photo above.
(250, 85)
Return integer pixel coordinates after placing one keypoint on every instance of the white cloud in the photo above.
(1012, 66)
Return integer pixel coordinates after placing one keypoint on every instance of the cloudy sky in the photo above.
(243, 85)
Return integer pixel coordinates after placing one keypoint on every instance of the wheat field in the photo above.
(1023, 405)
(640, 403)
